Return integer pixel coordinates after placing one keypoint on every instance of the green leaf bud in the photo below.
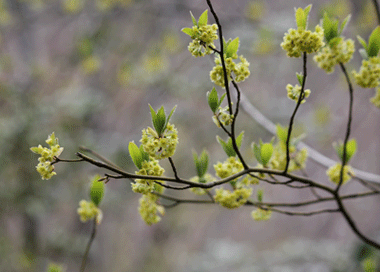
(135, 154)
(266, 153)
(97, 190)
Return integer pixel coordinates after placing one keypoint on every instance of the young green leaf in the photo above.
(201, 163)
(227, 147)
(158, 120)
(300, 78)
(362, 42)
(330, 27)
(282, 133)
(260, 194)
(97, 190)
(170, 115)
(221, 99)
(266, 153)
(257, 152)
(193, 18)
(213, 100)
(232, 47)
(374, 43)
(350, 150)
(188, 31)
(135, 154)
(203, 19)
(344, 23)
(302, 16)
(239, 139)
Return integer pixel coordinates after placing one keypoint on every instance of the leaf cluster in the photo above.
(159, 119)
(228, 146)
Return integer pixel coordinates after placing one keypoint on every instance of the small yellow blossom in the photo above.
(160, 147)
(298, 41)
(234, 199)
(261, 215)
(369, 73)
(334, 173)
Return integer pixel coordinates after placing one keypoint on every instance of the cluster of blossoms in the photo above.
(369, 73)
(149, 209)
(339, 51)
(44, 166)
(240, 70)
(223, 117)
(334, 173)
(376, 99)
(298, 41)
(160, 147)
(234, 199)
(230, 167)
(297, 158)
(203, 38)
(88, 210)
(149, 168)
(295, 91)
(241, 192)
(200, 191)
(261, 215)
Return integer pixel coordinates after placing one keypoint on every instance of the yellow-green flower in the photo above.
(295, 91)
(298, 41)
(340, 51)
(234, 199)
(88, 210)
(369, 73)
(145, 186)
(334, 173)
(44, 166)
(261, 215)
(160, 147)
(150, 210)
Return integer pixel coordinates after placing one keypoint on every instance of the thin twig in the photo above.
(97, 155)
(291, 122)
(92, 237)
(348, 128)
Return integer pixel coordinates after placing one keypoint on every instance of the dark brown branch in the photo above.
(377, 9)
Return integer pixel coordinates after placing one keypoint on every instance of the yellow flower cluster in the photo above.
(297, 158)
(160, 147)
(376, 99)
(369, 73)
(331, 55)
(223, 117)
(234, 199)
(261, 215)
(298, 41)
(44, 166)
(240, 70)
(150, 210)
(334, 173)
(88, 210)
(295, 91)
(149, 168)
(199, 191)
(203, 38)
(230, 167)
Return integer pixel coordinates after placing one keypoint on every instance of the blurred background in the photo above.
(87, 70)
